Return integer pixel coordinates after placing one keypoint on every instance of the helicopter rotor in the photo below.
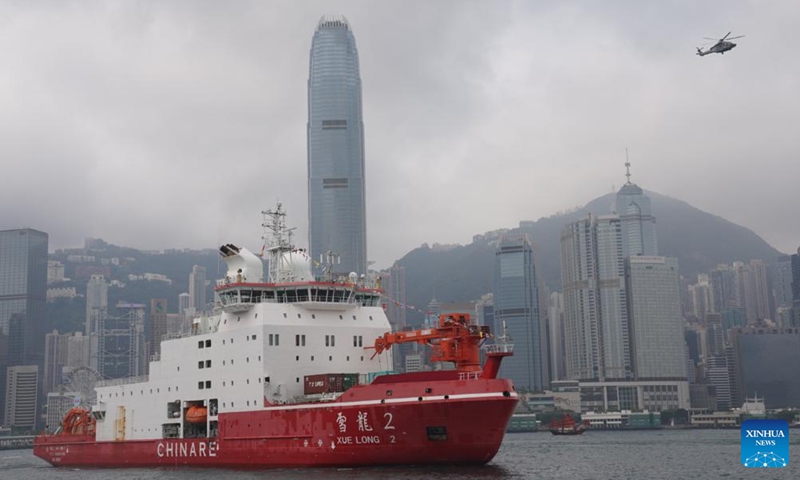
(723, 38)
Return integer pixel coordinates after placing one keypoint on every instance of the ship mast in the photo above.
(279, 242)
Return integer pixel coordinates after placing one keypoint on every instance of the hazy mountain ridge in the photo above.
(450, 273)
(698, 239)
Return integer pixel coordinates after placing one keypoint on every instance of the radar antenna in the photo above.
(328, 260)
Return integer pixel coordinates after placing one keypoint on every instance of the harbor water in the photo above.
(653, 454)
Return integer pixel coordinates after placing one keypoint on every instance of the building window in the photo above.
(201, 344)
(208, 343)
(200, 364)
(208, 363)
(334, 125)
(334, 183)
(200, 385)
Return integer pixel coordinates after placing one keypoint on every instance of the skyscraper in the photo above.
(121, 342)
(197, 288)
(656, 323)
(555, 318)
(335, 130)
(96, 302)
(723, 288)
(782, 281)
(764, 357)
(595, 307)
(636, 217)
(516, 306)
(21, 396)
(23, 288)
(762, 291)
(795, 261)
(184, 303)
(158, 324)
(55, 359)
(702, 297)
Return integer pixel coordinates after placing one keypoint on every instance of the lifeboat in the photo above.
(196, 415)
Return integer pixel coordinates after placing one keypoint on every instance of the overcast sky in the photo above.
(174, 124)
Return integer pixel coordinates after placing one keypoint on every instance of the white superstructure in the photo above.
(252, 353)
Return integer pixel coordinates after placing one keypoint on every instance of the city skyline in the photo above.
(184, 94)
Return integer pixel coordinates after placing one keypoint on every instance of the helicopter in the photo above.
(722, 45)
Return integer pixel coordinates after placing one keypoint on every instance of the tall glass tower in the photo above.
(336, 193)
(638, 222)
(23, 285)
(516, 306)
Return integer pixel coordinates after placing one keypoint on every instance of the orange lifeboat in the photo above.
(196, 415)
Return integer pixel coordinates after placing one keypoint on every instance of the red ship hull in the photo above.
(424, 419)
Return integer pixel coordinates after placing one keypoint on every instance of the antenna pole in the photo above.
(627, 166)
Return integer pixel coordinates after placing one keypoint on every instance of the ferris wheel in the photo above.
(80, 383)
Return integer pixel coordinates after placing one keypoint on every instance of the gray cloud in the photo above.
(172, 124)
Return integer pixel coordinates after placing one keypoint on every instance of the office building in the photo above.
(23, 290)
(197, 289)
(782, 281)
(22, 388)
(723, 288)
(701, 295)
(56, 355)
(795, 261)
(766, 360)
(79, 350)
(656, 324)
(761, 290)
(121, 343)
(637, 223)
(96, 301)
(718, 375)
(158, 324)
(335, 136)
(555, 319)
(516, 307)
(654, 395)
(184, 303)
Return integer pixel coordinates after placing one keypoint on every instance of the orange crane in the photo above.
(454, 340)
(78, 422)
